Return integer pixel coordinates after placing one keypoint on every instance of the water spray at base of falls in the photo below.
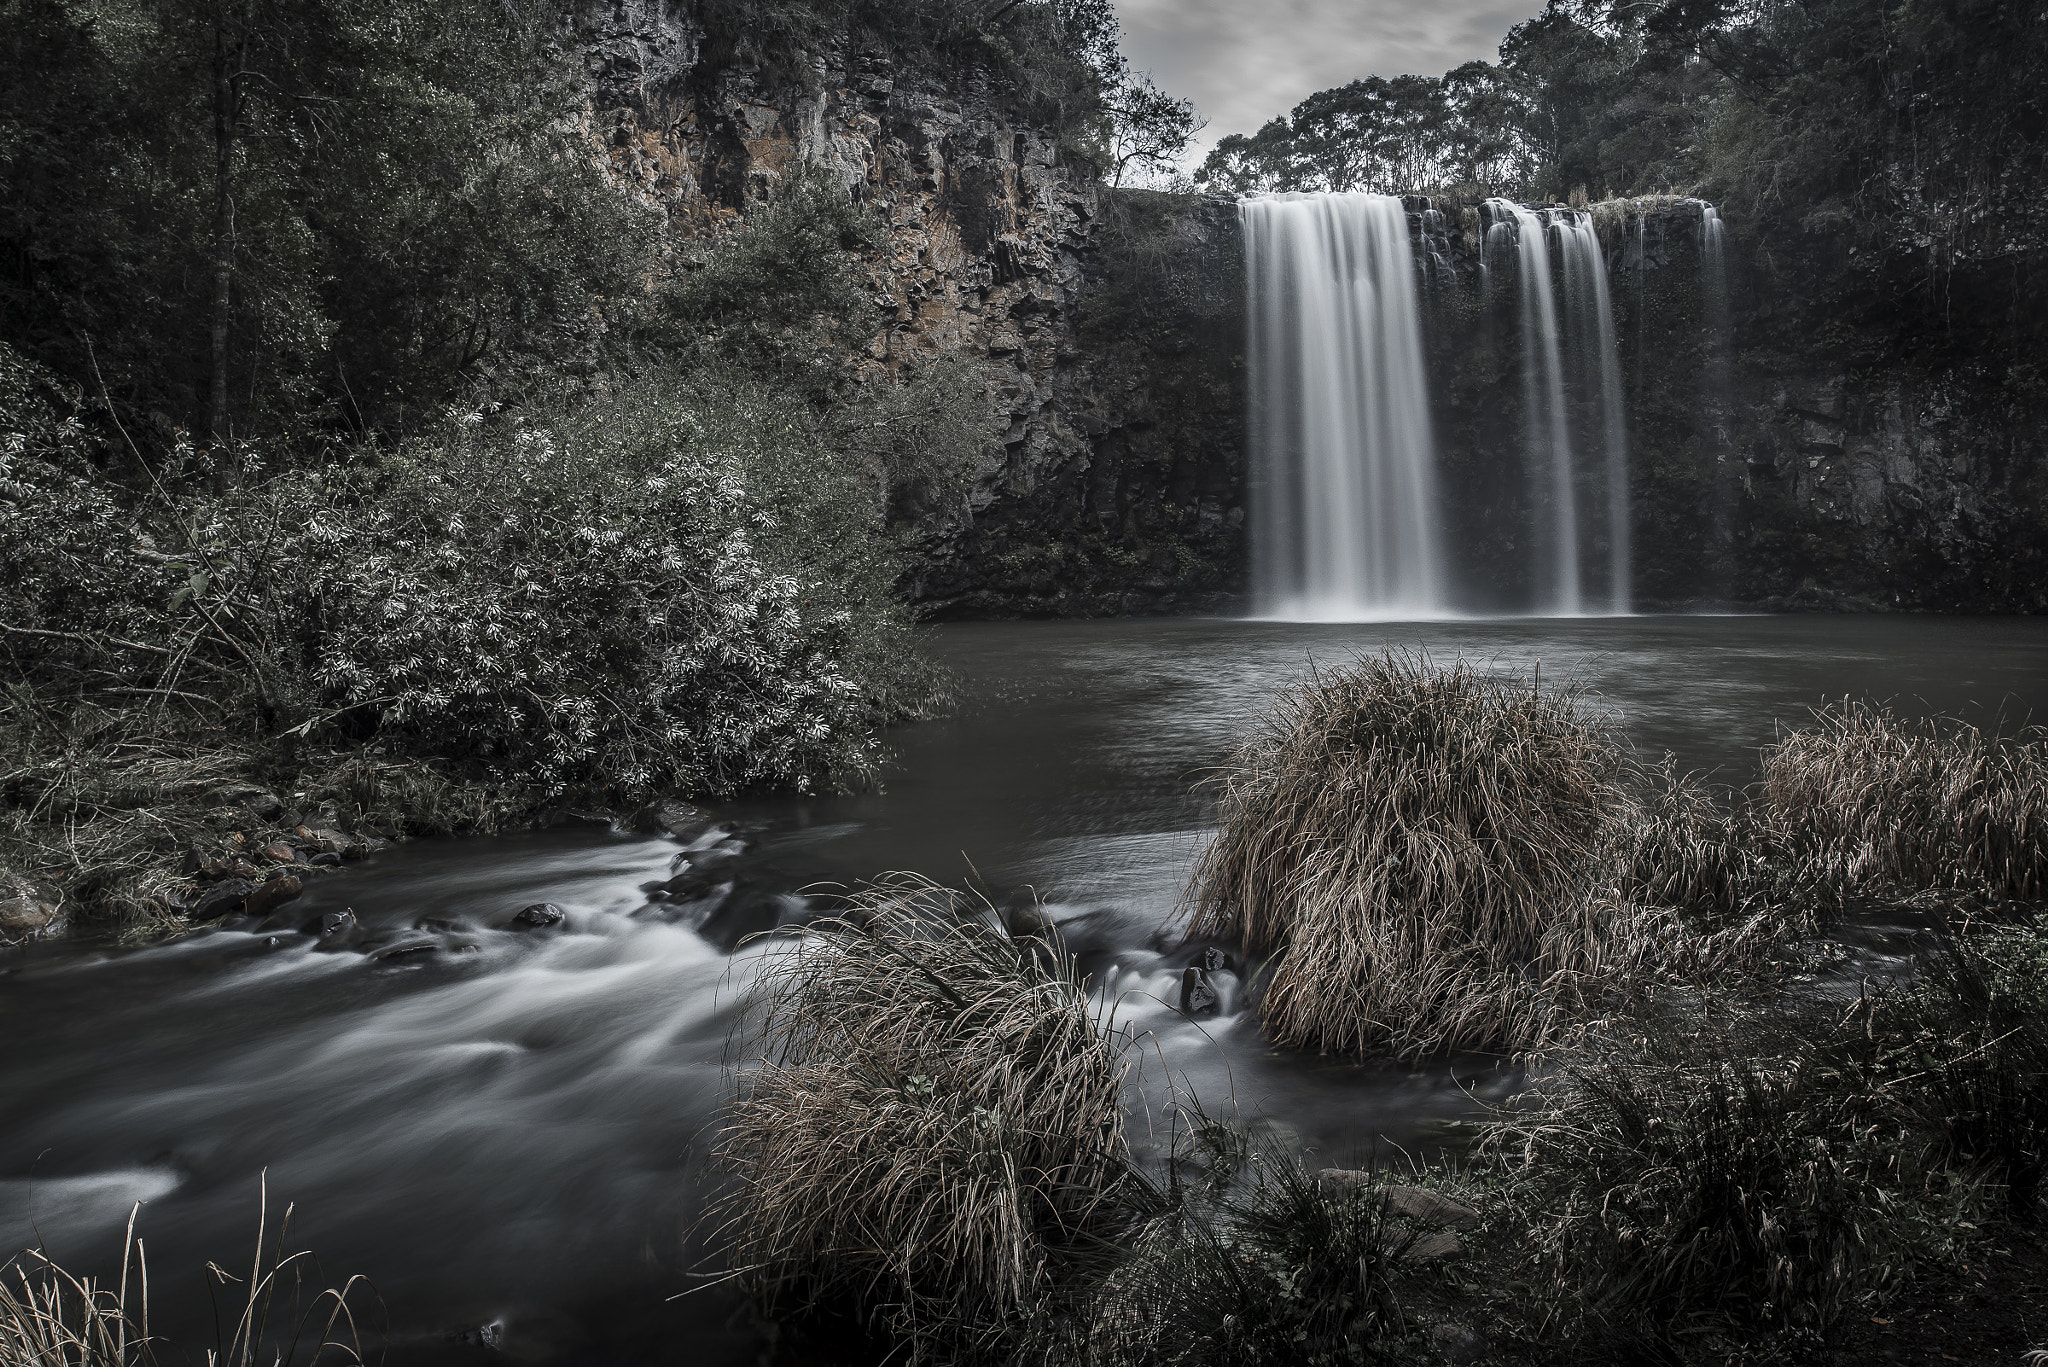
(1344, 497)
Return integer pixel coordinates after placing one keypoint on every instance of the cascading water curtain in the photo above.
(1568, 362)
(1591, 322)
(1344, 498)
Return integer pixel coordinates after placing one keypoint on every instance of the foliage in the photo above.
(1711, 1167)
(1247, 1258)
(935, 1123)
(367, 207)
(1672, 1179)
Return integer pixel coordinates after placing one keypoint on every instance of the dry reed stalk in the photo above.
(1436, 858)
(1870, 798)
(935, 1118)
(58, 1320)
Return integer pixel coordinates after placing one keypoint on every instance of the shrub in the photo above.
(680, 588)
(1436, 858)
(934, 1125)
(1868, 799)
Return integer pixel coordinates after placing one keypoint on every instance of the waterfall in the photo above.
(1553, 491)
(1591, 320)
(1344, 496)
(1716, 399)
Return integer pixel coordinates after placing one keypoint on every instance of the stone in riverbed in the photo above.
(537, 915)
(337, 923)
(1197, 994)
(1408, 1203)
(267, 896)
(277, 852)
(257, 799)
(25, 907)
(229, 897)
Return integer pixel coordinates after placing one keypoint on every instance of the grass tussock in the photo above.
(935, 1123)
(1438, 858)
(1867, 798)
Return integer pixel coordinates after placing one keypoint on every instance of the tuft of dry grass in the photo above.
(1439, 858)
(934, 1124)
(1867, 798)
(50, 1317)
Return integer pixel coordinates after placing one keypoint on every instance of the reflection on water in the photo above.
(503, 1133)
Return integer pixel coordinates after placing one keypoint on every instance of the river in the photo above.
(505, 1136)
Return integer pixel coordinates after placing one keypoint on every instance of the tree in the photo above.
(1149, 129)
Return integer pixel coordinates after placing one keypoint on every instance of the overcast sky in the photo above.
(1246, 61)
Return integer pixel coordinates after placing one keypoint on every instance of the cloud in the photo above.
(1246, 61)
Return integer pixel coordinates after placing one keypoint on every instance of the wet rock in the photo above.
(277, 852)
(745, 909)
(1435, 1247)
(337, 923)
(273, 893)
(405, 948)
(326, 859)
(1414, 1203)
(1027, 919)
(26, 907)
(1198, 995)
(1458, 1343)
(229, 897)
(669, 817)
(1214, 960)
(256, 799)
(1408, 1203)
(321, 840)
(536, 916)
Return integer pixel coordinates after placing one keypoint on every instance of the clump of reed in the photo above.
(934, 1125)
(1867, 798)
(1440, 858)
(51, 1317)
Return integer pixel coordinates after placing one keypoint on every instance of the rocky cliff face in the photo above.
(1816, 469)
(1116, 486)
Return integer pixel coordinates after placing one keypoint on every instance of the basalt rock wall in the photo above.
(1107, 323)
(1780, 459)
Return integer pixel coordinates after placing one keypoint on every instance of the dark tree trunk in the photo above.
(226, 114)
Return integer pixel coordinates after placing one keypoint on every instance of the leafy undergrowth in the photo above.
(679, 588)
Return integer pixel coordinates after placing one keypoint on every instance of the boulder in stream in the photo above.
(26, 908)
(229, 897)
(537, 916)
(273, 893)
